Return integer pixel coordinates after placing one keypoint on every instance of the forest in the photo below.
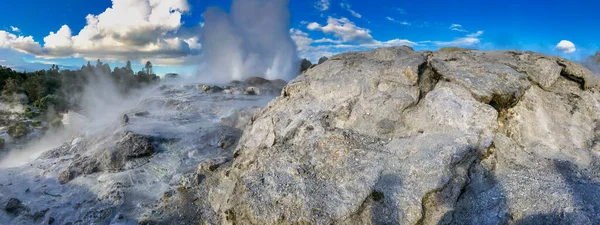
(49, 93)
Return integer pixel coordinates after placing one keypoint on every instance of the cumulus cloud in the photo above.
(566, 47)
(10, 40)
(348, 37)
(130, 29)
(471, 40)
(15, 29)
(457, 27)
(322, 5)
(343, 29)
(348, 8)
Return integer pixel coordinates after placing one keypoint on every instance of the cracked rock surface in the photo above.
(394, 136)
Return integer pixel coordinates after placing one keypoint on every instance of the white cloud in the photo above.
(10, 40)
(396, 21)
(457, 27)
(347, 7)
(301, 39)
(348, 37)
(130, 29)
(402, 11)
(322, 5)
(566, 47)
(471, 40)
(476, 34)
(15, 29)
(344, 29)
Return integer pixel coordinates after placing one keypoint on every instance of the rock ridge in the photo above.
(394, 136)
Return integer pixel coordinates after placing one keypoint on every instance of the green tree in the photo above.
(10, 88)
(148, 68)
(128, 66)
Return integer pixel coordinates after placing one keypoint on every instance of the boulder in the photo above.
(394, 136)
(322, 60)
(252, 91)
(13, 205)
(142, 114)
(257, 81)
(119, 151)
(204, 87)
(305, 65)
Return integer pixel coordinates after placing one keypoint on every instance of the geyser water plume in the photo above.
(252, 41)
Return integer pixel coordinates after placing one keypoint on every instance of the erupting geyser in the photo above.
(253, 40)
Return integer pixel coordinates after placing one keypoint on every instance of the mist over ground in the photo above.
(593, 63)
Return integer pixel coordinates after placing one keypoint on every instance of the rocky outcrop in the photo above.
(305, 65)
(322, 60)
(251, 86)
(394, 136)
(121, 150)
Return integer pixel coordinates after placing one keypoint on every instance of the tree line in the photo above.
(58, 90)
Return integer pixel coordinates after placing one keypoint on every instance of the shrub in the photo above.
(56, 123)
(19, 130)
(29, 113)
(51, 101)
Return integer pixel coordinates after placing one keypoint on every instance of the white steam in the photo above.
(102, 105)
(252, 41)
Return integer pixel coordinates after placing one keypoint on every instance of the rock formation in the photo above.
(394, 136)
(305, 65)
(323, 59)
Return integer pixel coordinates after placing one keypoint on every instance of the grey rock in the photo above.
(252, 91)
(394, 136)
(13, 205)
(216, 89)
(204, 87)
(142, 114)
(305, 64)
(119, 151)
(257, 81)
(322, 60)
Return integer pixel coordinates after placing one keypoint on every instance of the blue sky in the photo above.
(169, 32)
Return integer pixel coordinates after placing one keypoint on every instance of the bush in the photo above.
(36, 123)
(56, 123)
(19, 130)
(29, 113)
(48, 101)
(2, 142)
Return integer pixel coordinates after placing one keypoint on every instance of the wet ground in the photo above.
(185, 118)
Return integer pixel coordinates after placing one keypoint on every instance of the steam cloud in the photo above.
(593, 63)
(102, 106)
(253, 40)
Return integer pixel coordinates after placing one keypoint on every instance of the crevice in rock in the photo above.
(434, 201)
(428, 79)
(502, 102)
(572, 77)
(482, 155)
